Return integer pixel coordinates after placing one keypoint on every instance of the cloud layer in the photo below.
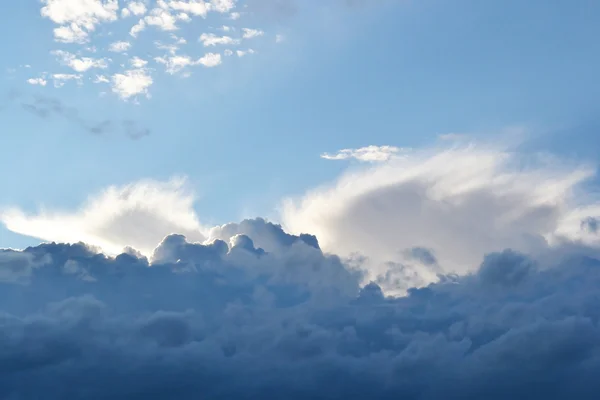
(233, 321)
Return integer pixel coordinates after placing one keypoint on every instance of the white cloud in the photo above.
(210, 39)
(242, 53)
(228, 52)
(235, 16)
(61, 79)
(183, 17)
(201, 8)
(137, 28)
(279, 38)
(119, 47)
(459, 202)
(178, 40)
(251, 33)
(137, 8)
(162, 19)
(137, 62)
(138, 215)
(101, 79)
(79, 64)
(176, 64)
(170, 48)
(210, 60)
(222, 6)
(37, 81)
(198, 8)
(368, 154)
(78, 17)
(70, 34)
(132, 83)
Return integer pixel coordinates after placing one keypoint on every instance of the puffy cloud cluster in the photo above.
(231, 320)
(458, 202)
(76, 22)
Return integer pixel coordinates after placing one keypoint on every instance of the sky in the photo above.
(320, 199)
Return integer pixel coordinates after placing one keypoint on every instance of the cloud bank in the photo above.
(230, 320)
(497, 261)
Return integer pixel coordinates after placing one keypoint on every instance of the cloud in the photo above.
(137, 28)
(201, 8)
(61, 79)
(136, 8)
(137, 62)
(251, 33)
(242, 53)
(459, 202)
(77, 18)
(162, 19)
(119, 47)
(368, 154)
(137, 215)
(47, 107)
(210, 39)
(132, 83)
(210, 60)
(37, 81)
(176, 64)
(233, 321)
(79, 64)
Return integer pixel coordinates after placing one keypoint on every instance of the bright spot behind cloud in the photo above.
(139, 215)
(459, 203)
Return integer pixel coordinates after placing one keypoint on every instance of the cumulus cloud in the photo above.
(242, 53)
(137, 215)
(61, 79)
(176, 63)
(251, 33)
(368, 153)
(232, 320)
(460, 202)
(136, 8)
(79, 64)
(210, 39)
(132, 83)
(119, 47)
(137, 62)
(37, 81)
(77, 18)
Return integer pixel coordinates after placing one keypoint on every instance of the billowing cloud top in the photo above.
(233, 321)
(464, 283)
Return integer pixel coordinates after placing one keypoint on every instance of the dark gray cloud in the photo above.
(229, 320)
(49, 107)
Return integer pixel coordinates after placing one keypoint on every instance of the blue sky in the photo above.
(345, 75)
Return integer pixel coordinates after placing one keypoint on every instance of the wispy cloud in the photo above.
(367, 154)
(48, 107)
